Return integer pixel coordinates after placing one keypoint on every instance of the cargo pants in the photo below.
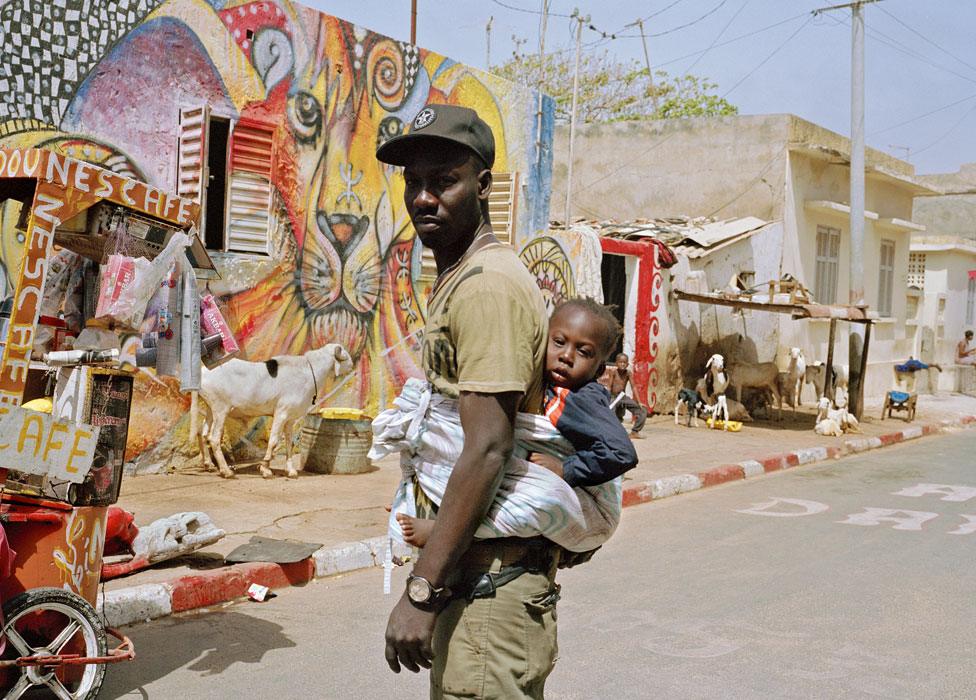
(502, 647)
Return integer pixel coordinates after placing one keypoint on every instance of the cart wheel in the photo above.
(48, 622)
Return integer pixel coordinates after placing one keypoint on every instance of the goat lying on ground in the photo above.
(286, 387)
(693, 404)
(764, 375)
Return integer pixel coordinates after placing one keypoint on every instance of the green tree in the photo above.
(611, 90)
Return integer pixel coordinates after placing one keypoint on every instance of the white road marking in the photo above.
(809, 508)
(956, 494)
(903, 519)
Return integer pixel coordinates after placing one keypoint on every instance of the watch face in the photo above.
(418, 590)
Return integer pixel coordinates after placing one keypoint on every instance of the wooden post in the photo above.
(829, 369)
(859, 407)
(413, 22)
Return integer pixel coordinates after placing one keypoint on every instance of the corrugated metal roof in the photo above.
(693, 238)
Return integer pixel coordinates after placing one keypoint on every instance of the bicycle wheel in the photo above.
(49, 622)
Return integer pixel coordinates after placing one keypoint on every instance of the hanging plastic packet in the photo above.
(213, 323)
(131, 282)
(189, 331)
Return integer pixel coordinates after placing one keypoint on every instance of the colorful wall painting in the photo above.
(106, 85)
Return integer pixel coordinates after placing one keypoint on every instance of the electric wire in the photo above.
(893, 43)
(767, 59)
(661, 141)
(922, 116)
(947, 132)
(672, 30)
(717, 37)
(926, 39)
(527, 11)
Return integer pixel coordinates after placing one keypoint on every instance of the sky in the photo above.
(920, 56)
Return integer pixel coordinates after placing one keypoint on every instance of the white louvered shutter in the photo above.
(502, 204)
(191, 161)
(249, 188)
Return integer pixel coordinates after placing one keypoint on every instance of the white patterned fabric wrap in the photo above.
(425, 428)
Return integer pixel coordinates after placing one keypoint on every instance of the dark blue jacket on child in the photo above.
(603, 449)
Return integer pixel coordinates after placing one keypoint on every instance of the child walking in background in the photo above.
(582, 334)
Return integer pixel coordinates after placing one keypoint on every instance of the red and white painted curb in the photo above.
(647, 491)
(149, 601)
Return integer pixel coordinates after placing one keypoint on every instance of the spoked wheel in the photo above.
(52, 622)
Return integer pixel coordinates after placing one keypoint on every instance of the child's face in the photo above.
(622, 362)
(575, 347)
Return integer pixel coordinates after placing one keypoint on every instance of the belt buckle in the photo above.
(485, 587)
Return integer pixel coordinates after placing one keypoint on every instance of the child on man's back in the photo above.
(582, 334)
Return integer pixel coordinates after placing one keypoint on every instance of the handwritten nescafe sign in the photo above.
(35, 443)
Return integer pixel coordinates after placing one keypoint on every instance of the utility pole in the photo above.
(860, 334)
(647, 61)
(542, 80)
(580, 21)
(488, 42)
(413, 22)
(517, 53)
(906, 149)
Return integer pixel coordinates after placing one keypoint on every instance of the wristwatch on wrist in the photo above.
(422, 592)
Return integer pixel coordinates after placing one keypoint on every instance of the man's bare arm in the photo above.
(489, 425)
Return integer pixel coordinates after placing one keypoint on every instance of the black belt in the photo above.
(485, 585)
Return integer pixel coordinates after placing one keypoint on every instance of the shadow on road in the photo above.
(210, 644)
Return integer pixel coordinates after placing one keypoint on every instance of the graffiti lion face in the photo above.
(337, 111)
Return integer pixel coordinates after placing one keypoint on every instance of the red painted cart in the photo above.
(61, 471)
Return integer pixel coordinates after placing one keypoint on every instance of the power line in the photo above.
(673, 29)
(766, 60)
(948, 131)
(665, 139)
(893, 43)
(922, 116)
(526, 11)
(735, 39)
(717, 37)
(926, 39)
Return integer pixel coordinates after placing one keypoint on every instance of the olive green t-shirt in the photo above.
(487, 329)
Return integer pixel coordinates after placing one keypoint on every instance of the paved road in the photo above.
(859, 585)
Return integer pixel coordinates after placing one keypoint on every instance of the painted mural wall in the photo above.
(105, 82)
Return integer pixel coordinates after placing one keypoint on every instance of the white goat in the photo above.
(764, 375)
(286, 387)
(796, 373)
(828, 426)
(716, 383)
(816, 375)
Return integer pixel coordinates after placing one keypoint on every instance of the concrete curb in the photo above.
(150, 601)
(645, 492)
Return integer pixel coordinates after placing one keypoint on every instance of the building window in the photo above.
(916, 270)
(886, 277)
(971, 298)
(828, 252)
(226, 166)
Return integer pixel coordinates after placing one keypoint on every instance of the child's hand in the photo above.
(547, 462)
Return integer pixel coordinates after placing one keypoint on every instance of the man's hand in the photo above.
(547, 462)
(408, 636)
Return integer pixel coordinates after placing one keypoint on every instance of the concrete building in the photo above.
(779, 168)
(942, 272)
(269, 114)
